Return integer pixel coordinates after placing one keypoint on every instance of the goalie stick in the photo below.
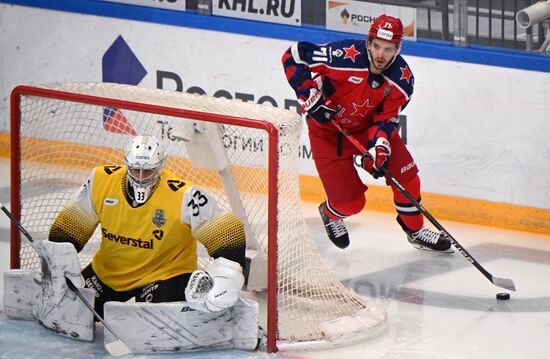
(116, 348)
(499, 282)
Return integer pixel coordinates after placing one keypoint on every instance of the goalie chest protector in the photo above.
(143, 244)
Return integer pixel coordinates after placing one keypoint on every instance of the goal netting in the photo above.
(245, 155)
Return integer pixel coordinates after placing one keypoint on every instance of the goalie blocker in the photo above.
(45, 296)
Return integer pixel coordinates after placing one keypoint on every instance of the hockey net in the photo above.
(60, 132)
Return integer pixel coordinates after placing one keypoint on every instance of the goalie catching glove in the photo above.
(375, 161)
(217, 288)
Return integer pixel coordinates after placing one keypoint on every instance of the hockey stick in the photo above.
(499, 282)
(117, 348)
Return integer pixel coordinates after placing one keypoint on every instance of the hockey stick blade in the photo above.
(504, 283)
(117, 348)
(499, 282)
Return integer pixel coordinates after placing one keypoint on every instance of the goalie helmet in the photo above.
(145, 160)
(387, 28)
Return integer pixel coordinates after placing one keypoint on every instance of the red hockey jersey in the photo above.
(341, 70)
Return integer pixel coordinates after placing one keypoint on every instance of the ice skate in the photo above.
(427, 239)
(336, 230)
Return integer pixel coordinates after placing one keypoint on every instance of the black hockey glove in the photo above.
(318, 108)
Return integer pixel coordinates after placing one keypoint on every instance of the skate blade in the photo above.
(424, 248)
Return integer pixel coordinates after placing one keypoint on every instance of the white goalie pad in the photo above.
(71, 317)
(46, 297)
(23, 300)
(21, 292)
(175, 327)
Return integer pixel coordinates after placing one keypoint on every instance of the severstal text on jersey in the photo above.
(128, 241)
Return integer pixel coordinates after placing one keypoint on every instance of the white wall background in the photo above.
(476, 131)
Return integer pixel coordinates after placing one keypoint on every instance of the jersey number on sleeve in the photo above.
(197, 200)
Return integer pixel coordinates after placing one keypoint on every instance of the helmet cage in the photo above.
(145, 161)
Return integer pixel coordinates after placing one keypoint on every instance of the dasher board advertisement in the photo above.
(162, 4)
(287, 12)
(357, 16)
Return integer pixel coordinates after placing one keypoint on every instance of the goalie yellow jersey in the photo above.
(143, 244)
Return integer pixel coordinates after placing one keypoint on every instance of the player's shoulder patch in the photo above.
(111, 169)
(174, 182)
(348, 53)
(400, 73)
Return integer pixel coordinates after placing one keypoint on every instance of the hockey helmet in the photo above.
(145, 159)
(387, 28)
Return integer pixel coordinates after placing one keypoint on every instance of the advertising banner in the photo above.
(162, 4)
(248, 68)
(287, 12)
(357, 16)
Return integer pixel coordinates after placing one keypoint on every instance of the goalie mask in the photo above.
(145, 160)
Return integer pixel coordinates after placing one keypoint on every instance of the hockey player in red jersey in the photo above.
(363, 86)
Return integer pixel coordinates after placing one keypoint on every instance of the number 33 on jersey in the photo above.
(163, 224)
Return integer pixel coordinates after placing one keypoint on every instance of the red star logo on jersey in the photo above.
(362, 109)
(405, 74)
(350, 53)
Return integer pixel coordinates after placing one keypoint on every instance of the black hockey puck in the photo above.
(503, 296)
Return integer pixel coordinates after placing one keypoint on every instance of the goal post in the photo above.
(245, 155)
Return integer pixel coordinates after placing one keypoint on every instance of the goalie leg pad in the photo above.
(59, 260)
(71, 317)
(174, 327)
(21, 292)
(23, 300)
(246, 331)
